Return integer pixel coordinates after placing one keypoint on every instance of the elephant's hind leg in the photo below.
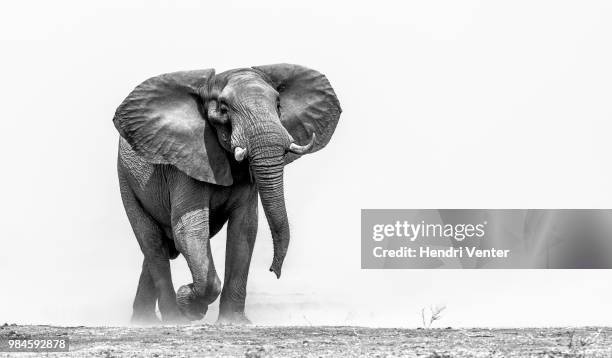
(156, 266)
(146, 299)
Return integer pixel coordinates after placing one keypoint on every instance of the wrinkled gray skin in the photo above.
(172, 213)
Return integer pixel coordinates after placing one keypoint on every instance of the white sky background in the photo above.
(446, 104)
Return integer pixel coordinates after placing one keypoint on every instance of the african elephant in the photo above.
(196, 151)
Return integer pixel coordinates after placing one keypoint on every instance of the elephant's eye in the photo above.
(223, 109)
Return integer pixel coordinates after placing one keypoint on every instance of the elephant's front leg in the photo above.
(191, 234)
(241, 234)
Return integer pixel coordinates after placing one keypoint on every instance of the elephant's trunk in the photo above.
(269, 178)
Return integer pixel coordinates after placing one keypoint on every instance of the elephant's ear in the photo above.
(163, 121)
(308, 104)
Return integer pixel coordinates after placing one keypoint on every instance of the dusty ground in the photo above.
(234, 341)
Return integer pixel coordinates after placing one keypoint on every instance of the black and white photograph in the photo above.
(306, 179)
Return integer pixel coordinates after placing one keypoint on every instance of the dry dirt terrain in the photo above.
(240, 341)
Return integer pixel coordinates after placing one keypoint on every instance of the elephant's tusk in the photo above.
(302, 149)
(239, 153)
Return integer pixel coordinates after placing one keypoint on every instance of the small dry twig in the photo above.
(435, 314)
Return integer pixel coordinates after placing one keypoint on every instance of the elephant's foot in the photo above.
(145, 319)
(192, 306)
(234, 318)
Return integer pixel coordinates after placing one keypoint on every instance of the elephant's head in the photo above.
(266, 115)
